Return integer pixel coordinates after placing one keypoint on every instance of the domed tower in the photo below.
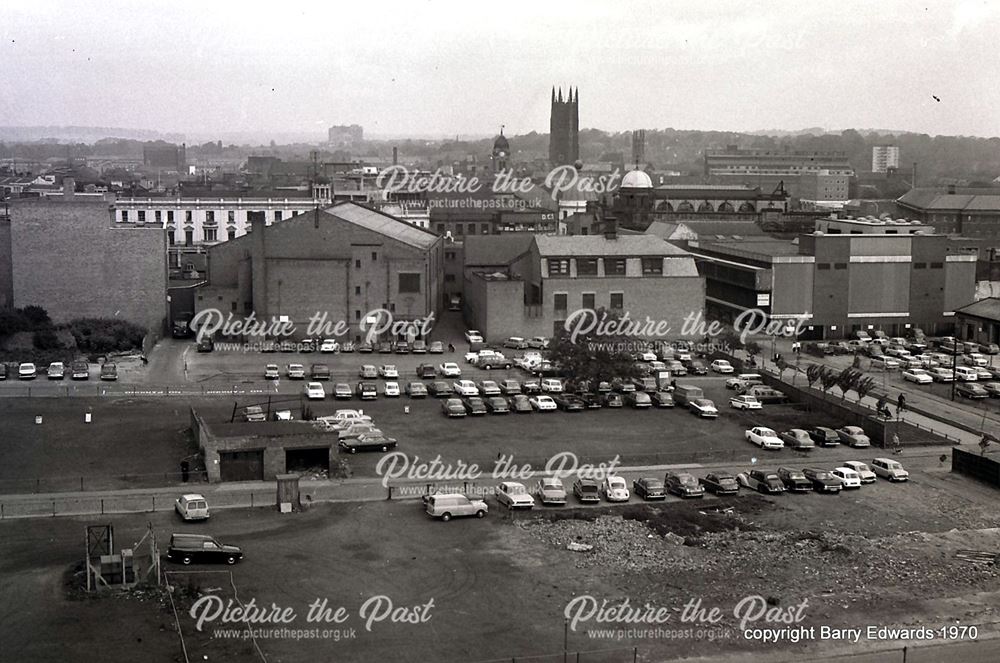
(501, 153)
(634, 202)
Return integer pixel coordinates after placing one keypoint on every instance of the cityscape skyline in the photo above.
(886, 67)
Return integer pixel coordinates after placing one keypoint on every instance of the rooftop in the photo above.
(384, 224)
(599, 245)
(502, 249)
(952, 198)
(988, 309)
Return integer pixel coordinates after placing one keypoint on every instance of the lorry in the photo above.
(685, 393)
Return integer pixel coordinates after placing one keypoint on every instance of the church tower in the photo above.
(564, 128)
(501, 153)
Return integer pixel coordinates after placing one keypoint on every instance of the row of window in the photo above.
(843, 265)
(612, 266)
(588, 300)
(141, 216)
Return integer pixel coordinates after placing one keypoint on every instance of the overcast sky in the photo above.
(441, 67)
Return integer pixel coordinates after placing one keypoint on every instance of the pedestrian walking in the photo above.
(901, 403)
(896, 446)
(451, 347)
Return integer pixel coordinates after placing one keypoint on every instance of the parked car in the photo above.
(721, 483)
(543, 402)
(992, 388)
(520, 404)
(586, 490)
(745, 402)
(550, 490)
(762, 481)
(388, 371)
(649, 488)
(451, 505)
(200, 548)
(365, 347)
(683, 484)
(192, 506)
(942, 374)
(474, 336)
(722, 366)
(697, 367)
(385, 347)
(342, 391)
(824, 437)
(638, 399)
(766, 394)
(489, 388)
(402, 347)
(662, 399)
(319, 372)
(373, 441)
(57, 370)
(847, 477)
(864, 472)
(975, 359)
(329, 345)
(435, 348)
(516, 342)
(315, 391)
(552, 385)
(419, 347)
(764, 437)
(822, 481)
(744, 381)
(509, 387)
(983, 373)
(497, 405)
(465, 388)
(440, 389)
(254, 413)
(854, 436)
(355, 429)
(367, 391)
(704, 408)
(514, 495)
(453, 407)
(966, 374)
(614, 399)
(538, 342)
(416, 389)
(797, 438)
(348, 346)
(615, 489)
(26, 371)
(449, 369)
(973, 391)
(917, 375)
(474, 405)
(890, 469)
(391, 389)
(81, 370)
(295, 372)
(569, 403)
(109, 371)
(271, 372)
(795, 481)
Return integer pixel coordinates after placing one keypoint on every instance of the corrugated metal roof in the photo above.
(384, 224)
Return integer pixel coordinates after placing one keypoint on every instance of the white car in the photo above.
(982, 373)
(191, 507)
(542, 402)
(918, 375)
(552, 385)
(975, 359)
(722, 366)
(271, 372)
(315, 391)
(449, 369)
(344, 418)
(474, 336)
(765, 438)
(848, 478)
(514, 495)
(745, 402)
(550, 490)
(329, 345)
(615, 489)
(26, 371)
(890, 469)
(864, 472)
(647, 355)
(704, 408)
(388, 371)
(391, 389)
(471, 357)
(465, 388)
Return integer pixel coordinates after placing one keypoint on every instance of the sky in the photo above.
(437, 67)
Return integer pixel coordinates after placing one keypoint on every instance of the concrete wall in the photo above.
(6, 269)
(67, 258)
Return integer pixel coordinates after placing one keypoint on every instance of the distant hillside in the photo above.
(75, 134)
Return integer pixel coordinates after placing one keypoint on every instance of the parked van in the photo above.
(448, 505)
(188, 548)
(685, 393)
(966, 374)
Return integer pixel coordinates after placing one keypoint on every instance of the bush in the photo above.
(46, 339)
(29, 318)
(102, 335)
(38, 318)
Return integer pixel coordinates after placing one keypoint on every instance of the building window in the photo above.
(211, 235)
(357, 290)
(277, 215)
(170, 238)
(937, 265)
(210, 216)
(357, 264)
(440, 228)
(170, 216)
(374, 256)
(357, 314)
(409, 283)
(652, 266)
(459, 229)
(840, 265)
(614, 266)
(617, 301)
(588, 300)
(559, 302)
(124, 216)
(142, 216)
(485, 228)
(558, 266)
(823, 265)
(188, 215)
(188, 237)
(158, 215)
(920, 265)
(449, 255)
(586, 267)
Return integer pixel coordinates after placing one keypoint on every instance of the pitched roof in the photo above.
(492, 250)
(988, 308)
(978, 199)
(384, 224)
(599, 245)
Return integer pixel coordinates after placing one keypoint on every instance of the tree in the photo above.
(813, 374)
(595, 357)
(864, 386)
(827, 379)
(848, 379)
(783, 366)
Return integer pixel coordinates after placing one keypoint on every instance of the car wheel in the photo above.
(446, 517)
(480, 514)
(231, 560)
(186, 560)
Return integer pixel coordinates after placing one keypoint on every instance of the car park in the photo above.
(662, 399)
(342, 391)
(822, 480)
(764, 437)
(449, 369)
(863, 471)
(972, 391)
(367, 391)
(824, 437)
(586, 490)
(315, 391)
(797, 438)
(474, 405)
(319, 372)
(56, 371)
(295, 372)
(890, 469)
(762, 481)
(516, 342)
(543, 402)
(722, 366)
(489, 388)
(514, 495)
(683, 484)
(81, 370)
(440, 389)
(497, 405)
(26, 371)
(453, 407)
(795, 481)
(848, 478)
(388, 371)
(649, 488)
(520, 404)
(390, 389)
(109, 371)
(917, 375)
(550, 490)
(704, 408)
(745, 402)
(201, 548)
(638, 399)
(569, 403)
(853, 436)
(615, 489)
(453, 505)
(720, 483)
(373, 441)
(329, 345)
(191, 506)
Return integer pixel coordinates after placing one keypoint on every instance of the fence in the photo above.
(77, 505)
(117, 389)
(74, 483)
(619, 655)
(977, 466)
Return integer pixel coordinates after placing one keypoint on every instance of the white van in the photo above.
(448, 505)
(191, 507)
(966, 374)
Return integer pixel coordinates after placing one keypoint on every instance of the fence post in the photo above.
(81, 484)
(53, 508)
(38, 485)
(251, 499)
(154, 503)
(102, 506)
(904, 654)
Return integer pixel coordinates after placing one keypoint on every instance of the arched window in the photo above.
(747, 208)
(685, 206)
(726, 207)
(664, 206)
(705, 207)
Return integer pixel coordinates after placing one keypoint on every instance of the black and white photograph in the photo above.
(439, 331)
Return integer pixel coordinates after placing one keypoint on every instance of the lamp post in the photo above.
(954, 365)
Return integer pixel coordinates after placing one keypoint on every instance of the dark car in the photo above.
(586, 490)
(440, 389)
(519, 403)
(721, 483)
(80, 370)
(320, 372)
(195, 548)
(683, 484)
(416, 389)
(973, 391)
(824, 437)
(402, 348)
(372, 441)
(385, 347)
(613, 399)
(697, 367)
(510, 387)
(794, 480)
(568, 402)
(474, 405)
(365, 347)
(638, 399)
(662, 399)
(497, 405)
(591, 401)
(367, 391)
(649, 488)
(205, 345)
(426, 371)
(109, 371)
(822, 481)
(342, 391)
(453, 407)
(764, 481)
